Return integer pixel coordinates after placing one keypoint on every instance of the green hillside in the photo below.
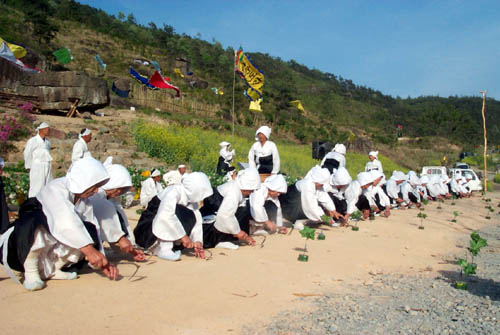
(335, 107)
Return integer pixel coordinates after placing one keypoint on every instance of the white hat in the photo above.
(341, 177)
(118, 177)
(155, 173)
(340, 148)
(277, 183)
(364, 178)
(181, 166)
(85, 132)
(373, 153)
(265, 130)
(224, 144)
(398, 175)
(319, 175)
(42, 125)
(85, 173)
(197, 186)
(248, 179)
(424, 179)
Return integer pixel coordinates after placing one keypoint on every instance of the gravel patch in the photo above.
(400, 304)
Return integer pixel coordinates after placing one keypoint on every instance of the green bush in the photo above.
(496, 179)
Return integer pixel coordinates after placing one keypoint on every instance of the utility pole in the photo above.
(485, 141)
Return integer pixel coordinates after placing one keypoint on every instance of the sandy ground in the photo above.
(243, 288)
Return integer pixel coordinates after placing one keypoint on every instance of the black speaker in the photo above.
(320, 149)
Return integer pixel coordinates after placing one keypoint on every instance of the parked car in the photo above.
(432, 170)
(461, 165)
(474, 183)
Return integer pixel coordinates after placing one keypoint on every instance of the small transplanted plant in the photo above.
(356, 216)
(455, 215)
(425, 202)
(307, 233)
(440, 202)
(466, 269)
(422, 217)
(490, 210)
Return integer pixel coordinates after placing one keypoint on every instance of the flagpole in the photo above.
(485, 141)
(234, 83)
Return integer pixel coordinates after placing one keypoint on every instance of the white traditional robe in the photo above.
(172, 177)
(37, 158)
(149, 189)
(257, 210)
(392, 188)
(227, 155)
(375, 165)
(166, 225)
(226, 221)
(257, 151)
(406, 189)
(80, 150)
(311, 198)
(352, 194)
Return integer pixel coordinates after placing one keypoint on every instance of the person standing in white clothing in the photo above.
(37, 159)
(80, 149)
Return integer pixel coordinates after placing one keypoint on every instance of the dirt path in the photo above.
(236, 289)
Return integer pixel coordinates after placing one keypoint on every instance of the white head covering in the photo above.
(413, 178)
(85, 173)
(376, 174)
(155, 173)
(2, 163)
(181, 166)
(364, 178)
(398, 175)
(248, 179)
(341, 177)
(265, 130)
(224, 144)
(42, 125)
(85, 133)
(197, 186)
(444, 178)
(373, 153)
(277, 183)
(118, 175)
(340, 148)
(424, 179)
(319, 175)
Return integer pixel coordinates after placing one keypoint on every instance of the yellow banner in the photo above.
(249, 72)
(298, 104)
(17, 50)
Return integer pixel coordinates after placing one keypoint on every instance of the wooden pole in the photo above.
(234, 83)
(485, 141)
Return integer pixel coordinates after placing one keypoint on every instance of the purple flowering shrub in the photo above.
(12, 128)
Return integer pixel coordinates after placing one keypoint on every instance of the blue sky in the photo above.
(400, 47)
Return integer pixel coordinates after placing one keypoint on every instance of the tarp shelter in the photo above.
(158, 81)
(142, 79)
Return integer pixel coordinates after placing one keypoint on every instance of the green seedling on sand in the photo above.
(307, 233)
(422, 217)
(356, 216)
(321, 236)
(425, 202)
(455, 214)
(326, 219)
(466, 269)
(139, 211)
(453, 203)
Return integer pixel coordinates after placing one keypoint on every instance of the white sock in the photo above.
(169, 255)
(299, 224)
(227, 245)
(261, 232)
(61, 275)
(32, 280)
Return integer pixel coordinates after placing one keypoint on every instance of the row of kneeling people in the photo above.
(66, 223)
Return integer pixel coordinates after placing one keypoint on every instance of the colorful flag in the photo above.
(142, 79)
(178, 72)
(158, 81)
(254, 78)
(156, 65)
(101, 63)
(298, 104)
(18, 51)
(255, 106)
(63, 55)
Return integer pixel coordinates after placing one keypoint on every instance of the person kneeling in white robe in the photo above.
(306, 200)
(57, 228)
(355, 197)
(113, 223)
(173, 221)
(150, 188)
(339, 181)
(232, 213)
(265, 205)
(379, 197)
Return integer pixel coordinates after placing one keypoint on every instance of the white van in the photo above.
(474, 183)
(433, 170)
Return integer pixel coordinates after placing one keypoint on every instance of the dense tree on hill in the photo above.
(330, 99)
